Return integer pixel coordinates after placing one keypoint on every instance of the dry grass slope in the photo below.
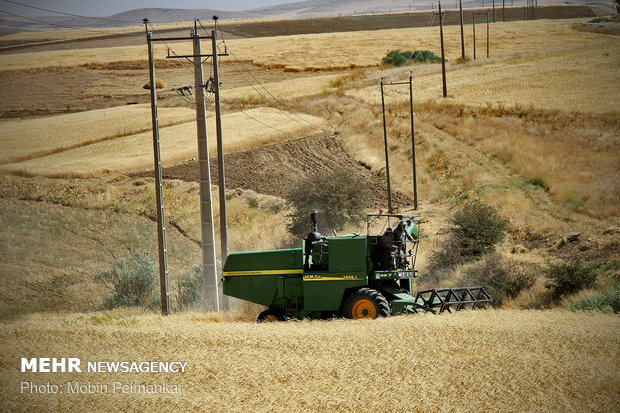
(467, 362)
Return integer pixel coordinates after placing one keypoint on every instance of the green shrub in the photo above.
(538, 181)
(132, 281)
(477, 228)
(605, 301)
(569, 277)
(338, 196)
(189, 288)
(398, 58)
(500, 277)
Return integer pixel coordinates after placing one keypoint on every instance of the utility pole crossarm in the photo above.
(194, 55)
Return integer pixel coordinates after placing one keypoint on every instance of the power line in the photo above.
(103, 32)
(50, 24)
(267, 90)
(263, 123)
(259, 83)
(170, 49)
(258, 91)
(66, 14)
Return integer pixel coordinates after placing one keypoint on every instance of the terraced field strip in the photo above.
(178, 143)
(27, 139)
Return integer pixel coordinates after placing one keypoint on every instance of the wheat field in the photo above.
(495, 360)
(178, 143)
(31, 138)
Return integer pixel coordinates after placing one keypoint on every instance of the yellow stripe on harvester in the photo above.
(262, 272)
(313, 277)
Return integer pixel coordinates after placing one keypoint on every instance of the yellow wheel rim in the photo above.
(270, 318)
(364, 309)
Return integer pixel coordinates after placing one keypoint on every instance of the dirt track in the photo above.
(273, 169)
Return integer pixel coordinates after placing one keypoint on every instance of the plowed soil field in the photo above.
(273, 169)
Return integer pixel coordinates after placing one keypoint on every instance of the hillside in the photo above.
(313, 105)
(532, 131)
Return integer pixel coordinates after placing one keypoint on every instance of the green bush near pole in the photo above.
(132, 282)
(398, 58)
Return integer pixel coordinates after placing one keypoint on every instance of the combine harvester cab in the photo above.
(354, 276)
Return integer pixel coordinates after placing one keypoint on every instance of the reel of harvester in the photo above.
(449, 299)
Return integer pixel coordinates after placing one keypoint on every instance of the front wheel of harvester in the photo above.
(269, 316)
(366, 303)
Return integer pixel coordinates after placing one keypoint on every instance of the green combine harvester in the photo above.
(353, 276)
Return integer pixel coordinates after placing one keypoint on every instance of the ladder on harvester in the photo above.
(455, 298)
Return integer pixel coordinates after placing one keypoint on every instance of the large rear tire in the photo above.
(365, 303)
(269, 316)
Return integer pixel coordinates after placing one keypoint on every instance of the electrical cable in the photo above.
(51, 24)
(67, 14)
(257, 81)
(64, 26)
(258, 91)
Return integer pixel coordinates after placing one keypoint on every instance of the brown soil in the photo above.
(273, 169)
(54, 90)
(391, 21)
(612, 28)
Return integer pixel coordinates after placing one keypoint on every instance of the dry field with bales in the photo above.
(533, 131)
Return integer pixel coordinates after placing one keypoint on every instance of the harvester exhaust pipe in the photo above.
(313, 218)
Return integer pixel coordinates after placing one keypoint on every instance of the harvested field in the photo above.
(495, 360)
(129, 152)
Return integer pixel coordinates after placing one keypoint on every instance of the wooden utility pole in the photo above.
(220, 152)
(493, 11)
(503, 10)
(488, 41)
(387, 163)
(387, 158)
(443, 56)
(462, 34)
(473, 25)
(159, 197)
(415, 180)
